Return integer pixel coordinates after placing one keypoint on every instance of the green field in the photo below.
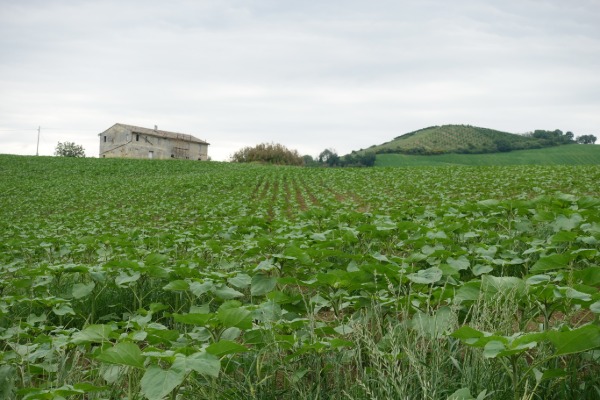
(573, 154)
(148, 279)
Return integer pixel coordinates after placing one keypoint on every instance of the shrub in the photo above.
(69, 149)
(268, 153)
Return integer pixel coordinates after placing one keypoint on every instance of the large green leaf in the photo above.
(563, 223)
(63, 309)
(124, 354)
(576, 340)
(235, 317)
(466, 332)
(155, 259)
(488, 202)
(93, 334)
(125, 279)
(493, 348)
(202, 362)
(468, 292)
(225, 292)
(262, 284)
(588, 276)
(200, 288)
(537, 279)
(224, 347)
(461, 394)
(554, 261)
(81, 290)
(426, 276)
(157, 382)
(240, 281)
(502, 347)
(177, 286)
(459, 263)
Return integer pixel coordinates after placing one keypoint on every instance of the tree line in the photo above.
(557, 137)
(330, 158)
(278, 154)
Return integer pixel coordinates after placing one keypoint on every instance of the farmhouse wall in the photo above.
(125, 141)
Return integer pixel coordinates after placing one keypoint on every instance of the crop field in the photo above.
(573, 154)
(147, 279)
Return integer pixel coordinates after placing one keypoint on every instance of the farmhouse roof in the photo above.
(160, 133)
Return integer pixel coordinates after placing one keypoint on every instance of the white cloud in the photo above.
(310, 75)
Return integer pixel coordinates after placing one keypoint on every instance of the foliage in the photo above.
(359, 159)
(309, 161)
(268, 153)
(586, 139)
(247, 281)
(329, 157)
(69, 149)
(551, 138)
(468, 139)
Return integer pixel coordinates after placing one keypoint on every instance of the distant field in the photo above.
(561, 155)
(462, 139)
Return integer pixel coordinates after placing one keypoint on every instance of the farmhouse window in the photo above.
(104, 138)
(137, 138)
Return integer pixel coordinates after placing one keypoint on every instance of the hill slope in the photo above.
(574, 154)
(463, 139)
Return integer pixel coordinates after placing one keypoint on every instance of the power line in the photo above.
(49, 129)
(38, 142)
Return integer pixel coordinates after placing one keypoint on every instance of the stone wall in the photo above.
(118, 141)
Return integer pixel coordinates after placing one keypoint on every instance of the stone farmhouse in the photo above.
(127, 141)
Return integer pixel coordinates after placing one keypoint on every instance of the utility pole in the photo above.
(37, 149)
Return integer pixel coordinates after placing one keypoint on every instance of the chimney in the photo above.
(155, 127)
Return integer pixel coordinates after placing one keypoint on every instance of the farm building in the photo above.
(127, 141)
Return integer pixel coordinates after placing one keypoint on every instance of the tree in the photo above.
(329, 157)
(586, 139)
(309, 161)
(569, 135)
(268, 153)
(368, 158)
(69, 149)
(356, 159)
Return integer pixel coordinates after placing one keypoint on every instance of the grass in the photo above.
(561, 155)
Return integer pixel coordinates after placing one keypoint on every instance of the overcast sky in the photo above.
(342, 74)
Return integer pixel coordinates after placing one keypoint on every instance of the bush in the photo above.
(69, 149)
(329, 157)
(268, 153)
(586, 139)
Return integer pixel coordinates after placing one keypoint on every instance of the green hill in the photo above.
(468, 139)
(574, 154)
